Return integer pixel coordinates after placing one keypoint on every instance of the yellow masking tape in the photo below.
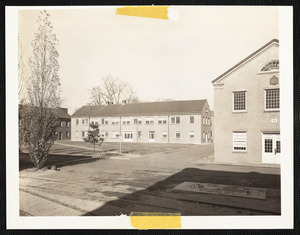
(158, 12)
(149, 220)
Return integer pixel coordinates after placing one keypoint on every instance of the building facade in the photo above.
(247, 109)
(160, 122)
(64, 130)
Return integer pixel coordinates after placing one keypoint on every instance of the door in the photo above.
(60, 136)
(128, 136)
(271, 148)
(151, 136)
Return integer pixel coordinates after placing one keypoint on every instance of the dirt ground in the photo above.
(140, 180)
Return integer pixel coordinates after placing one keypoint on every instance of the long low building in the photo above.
(163, 122)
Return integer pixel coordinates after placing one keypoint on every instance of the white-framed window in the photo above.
(162, 120)
(94, 121)
(76, 133)
(115, 134)
(271, 66)
(82, 121)
(68, 124)
(139, 134)
(192, 119)
(177, 135)
(272, 99)
(203, 120)
(164, 134)
(61, 123)
(175, 120)
(126, 121)
(135, 121)
(150, 121)
(239, 100)
(115, 121)
(77, 121)
(82, 133)
(239, 141)
(192, 134)
(208, 121)
(203, 135)
(68, 134)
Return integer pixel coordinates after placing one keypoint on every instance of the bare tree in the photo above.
(112, 90)
(22, 74)
(39, 117)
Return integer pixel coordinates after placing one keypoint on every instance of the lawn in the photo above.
(83, 148)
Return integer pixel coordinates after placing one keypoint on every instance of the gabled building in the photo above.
(247, 109)
(64, 130)
(161, 122)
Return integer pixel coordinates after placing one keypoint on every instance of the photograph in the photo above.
(167, 114)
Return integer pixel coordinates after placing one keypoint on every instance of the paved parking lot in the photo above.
(141, 183)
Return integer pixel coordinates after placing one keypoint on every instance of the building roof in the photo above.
(61, 112)
(247, 58)
(141, 109)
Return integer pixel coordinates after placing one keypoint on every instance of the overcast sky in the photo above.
(161, 59)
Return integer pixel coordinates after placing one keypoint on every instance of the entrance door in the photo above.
(128, 136)
(271, 148)
(60, 136)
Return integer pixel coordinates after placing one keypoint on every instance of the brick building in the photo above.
(247, 109)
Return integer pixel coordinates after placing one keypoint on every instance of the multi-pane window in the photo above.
(126, 122)
(203, 120)
(115, 121)
(68, 124)
(61, 124)
(67, 134)
(277, 146)
(268, 145)
(162, 120)
(128, 135)
(175, 120)
(177, 135)
(239, 140)
(115, 134)
(82, 133)
(135, 121)
(149, 121)
(271, 66)
(77, 121)
(192, 134)
(192, 119)
(139, 134)
(272, 99)
(82, 121)
(164, 134)
(239, 101)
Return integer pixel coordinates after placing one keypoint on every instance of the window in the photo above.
(149, 121)
(203, 121)
(239, 140)
(208, 121)
(239, 101)
(192, 119)
(77, 121)
(164, 134)
(68, 124)
(76, 133)
(61, 124)
(139, 121)
(82, 121)
(177, 135)
(272, 66)
(82, 133)
(175, 120)
(126, 122)
(272, 99)
(68, 134)
(115, 134)
(268, 145)
(115, 121)
(203, 135)
(135, 121)
(139, 134)
(192, 134)
(106, 121)
(162, 120)
(86, 121)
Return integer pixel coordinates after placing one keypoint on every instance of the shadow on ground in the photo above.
(161, 198)
(57, 160)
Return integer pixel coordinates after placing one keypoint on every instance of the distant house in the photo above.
(247, 109)
(161, 122)
(63, 132)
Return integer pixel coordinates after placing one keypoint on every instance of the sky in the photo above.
(161, 59)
